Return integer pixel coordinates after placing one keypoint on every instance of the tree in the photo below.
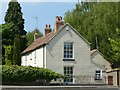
(14, 16)
(96, 19)
(14, 34)
(0, 46)
(115, 43)
(7, 38)
(30, 37)
(16, 51)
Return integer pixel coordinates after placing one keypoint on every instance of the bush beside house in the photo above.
(27, 75)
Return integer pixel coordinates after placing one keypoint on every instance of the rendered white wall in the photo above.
(99, 59)
(82, 64)
(32, 59)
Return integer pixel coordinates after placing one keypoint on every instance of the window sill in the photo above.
(97, 79)
(68, 59)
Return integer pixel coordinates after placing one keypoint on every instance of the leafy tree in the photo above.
(14, 16)
(0, 46)
(12, 29)
(7, 37)
(96, 20)
(16, 51)
(115, 43)
(30, 37)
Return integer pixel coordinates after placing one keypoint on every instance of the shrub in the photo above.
(27, 73)
(8, 55)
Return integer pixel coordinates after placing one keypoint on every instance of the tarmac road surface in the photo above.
(59, 88)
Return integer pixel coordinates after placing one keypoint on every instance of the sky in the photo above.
(45, 11)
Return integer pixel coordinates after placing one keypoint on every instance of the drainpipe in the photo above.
(43, 55)
(117, 77)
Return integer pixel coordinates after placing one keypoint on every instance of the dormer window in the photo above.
(68, 50)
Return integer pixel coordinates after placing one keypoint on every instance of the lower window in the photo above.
(98, 75)
(68, 71)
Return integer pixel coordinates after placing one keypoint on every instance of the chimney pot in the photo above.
(46, 25)
(47, 29)
(57, 18)
(58, 23)
(60, 18)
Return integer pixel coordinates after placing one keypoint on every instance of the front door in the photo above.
(110, 80)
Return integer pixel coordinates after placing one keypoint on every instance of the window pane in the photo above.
(64, 56)
(98, 74)
(71, 68)
(70, 56)
(68, 50)
(97, 71)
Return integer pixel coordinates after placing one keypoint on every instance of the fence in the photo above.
(87, 79)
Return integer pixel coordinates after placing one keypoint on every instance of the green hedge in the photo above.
(27, 73)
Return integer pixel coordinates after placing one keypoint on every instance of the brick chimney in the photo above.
(47, 29)
(58, 23)
(36, 36)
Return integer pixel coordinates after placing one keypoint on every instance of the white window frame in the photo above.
(98, 76)
(68, 51)
(68, 73)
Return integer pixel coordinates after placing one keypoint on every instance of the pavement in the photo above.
(59, 88)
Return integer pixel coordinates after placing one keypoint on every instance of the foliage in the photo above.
(115, 43)
(7, 37)
(14, 16)
(8, 55)
(30, 37)
(93, 20)
(0, 46)
(27, 73)
(14, 26)
(16, 51)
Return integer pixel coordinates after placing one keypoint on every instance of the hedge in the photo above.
(27, 73)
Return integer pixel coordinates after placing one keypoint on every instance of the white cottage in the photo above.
(65, 51)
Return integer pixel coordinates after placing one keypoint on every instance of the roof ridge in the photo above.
(47, 38)
(38, 42)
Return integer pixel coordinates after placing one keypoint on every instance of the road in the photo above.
(59, 88)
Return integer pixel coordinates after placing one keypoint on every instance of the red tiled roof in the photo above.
(41, 41)
(44, 40)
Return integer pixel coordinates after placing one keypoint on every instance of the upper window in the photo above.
(98, 75)
(68, 50)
